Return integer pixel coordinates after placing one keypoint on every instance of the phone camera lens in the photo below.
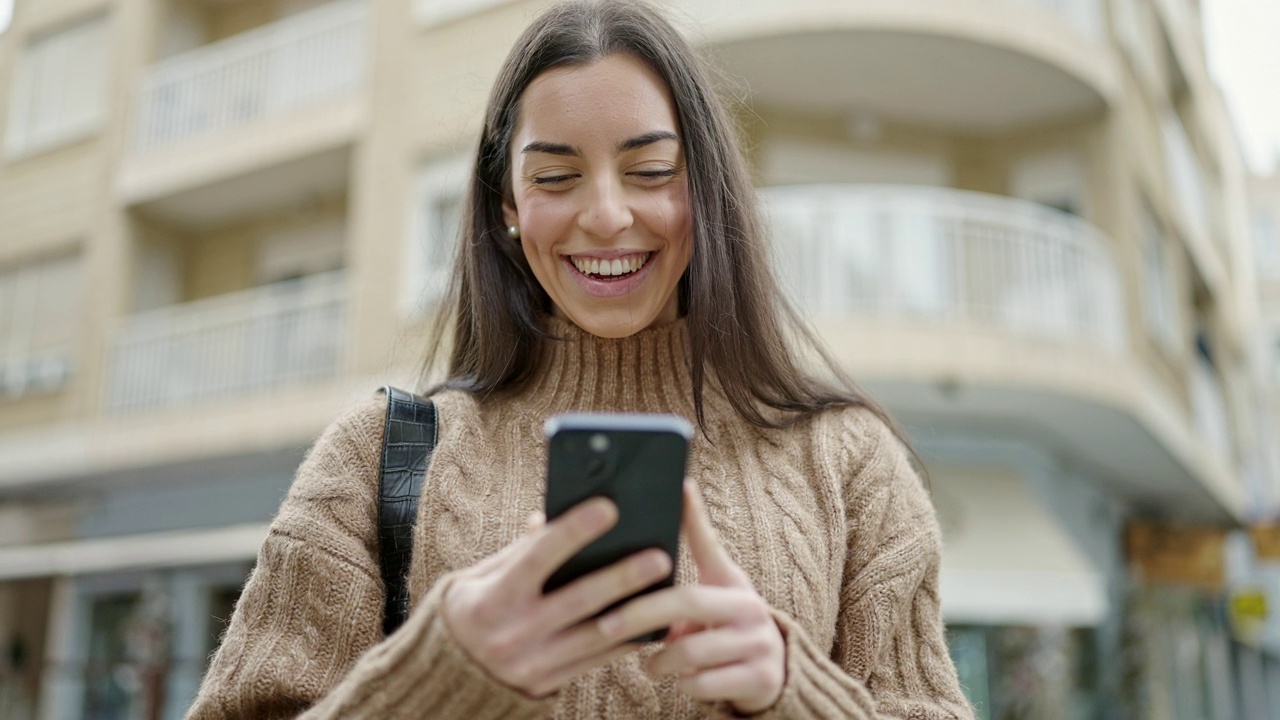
(599, 442)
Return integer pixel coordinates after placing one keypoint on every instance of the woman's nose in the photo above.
(607, 212)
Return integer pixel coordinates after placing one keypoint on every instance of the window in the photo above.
(60, 90)
(1010, 671)
(6, 15)
(433, 232)
(298, 252)
(1053, 179)
(1160, 290)
(40, 305)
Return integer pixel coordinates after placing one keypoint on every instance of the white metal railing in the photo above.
(944, 255)
(233, 344)
(1209, 409)
(315, 55)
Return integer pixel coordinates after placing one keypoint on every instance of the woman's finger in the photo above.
(705, 650)
(751, 687)
(564, 674)
(554, 543)
(681, 628)
(704, 604)
(715, 567)
(588, 595)
(535, 520)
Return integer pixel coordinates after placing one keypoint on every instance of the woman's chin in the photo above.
(609, 325)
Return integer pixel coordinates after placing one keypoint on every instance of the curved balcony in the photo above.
(972, 65)
(950, 256)
(987, 314)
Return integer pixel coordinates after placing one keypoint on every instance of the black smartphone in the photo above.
(635, 460)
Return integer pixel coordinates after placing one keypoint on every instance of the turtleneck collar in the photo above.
(644, 372)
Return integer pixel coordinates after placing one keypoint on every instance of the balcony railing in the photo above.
(235, 344)
(948, 256)
(313, 56)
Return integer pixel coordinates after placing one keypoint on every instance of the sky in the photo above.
(1241, 37)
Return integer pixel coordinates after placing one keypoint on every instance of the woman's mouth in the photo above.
(609, 269)
(610, 277)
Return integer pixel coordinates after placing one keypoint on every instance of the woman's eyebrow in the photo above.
(648, 138)
(551, 148)
(639, 141)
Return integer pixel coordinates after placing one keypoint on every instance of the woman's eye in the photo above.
(655, 174)
(552, 179)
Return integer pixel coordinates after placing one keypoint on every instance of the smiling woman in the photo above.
(600, 198)
(611, 260)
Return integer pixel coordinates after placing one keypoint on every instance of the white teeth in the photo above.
(611, 268)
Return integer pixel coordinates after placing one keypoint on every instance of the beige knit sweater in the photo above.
(828, 519)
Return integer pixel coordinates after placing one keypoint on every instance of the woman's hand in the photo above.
(496, 610)
(724, 643)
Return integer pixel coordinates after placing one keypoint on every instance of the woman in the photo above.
(611, 261)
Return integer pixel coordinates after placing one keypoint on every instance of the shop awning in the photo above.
(1007, 559)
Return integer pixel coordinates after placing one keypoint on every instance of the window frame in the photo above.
(26, 132)
(429, 260)
(26, 369)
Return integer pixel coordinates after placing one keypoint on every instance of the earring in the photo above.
(513, 232)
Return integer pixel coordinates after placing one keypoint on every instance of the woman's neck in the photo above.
(644, 372)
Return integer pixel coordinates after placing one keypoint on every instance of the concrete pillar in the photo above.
(63, 687)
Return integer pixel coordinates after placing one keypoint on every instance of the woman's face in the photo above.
(601, 195)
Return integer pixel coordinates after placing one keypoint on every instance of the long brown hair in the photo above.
(741, 328)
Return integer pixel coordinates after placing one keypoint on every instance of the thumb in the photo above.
(715, 567)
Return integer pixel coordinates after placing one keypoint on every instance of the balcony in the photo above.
(273, 70)
(243, 343)
(985, 314)
(937, 63)
(950, 256)
(280, 102)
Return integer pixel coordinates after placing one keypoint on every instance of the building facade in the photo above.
(1019, 223)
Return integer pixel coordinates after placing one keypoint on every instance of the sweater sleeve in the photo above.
(306, 641)
(889, 658)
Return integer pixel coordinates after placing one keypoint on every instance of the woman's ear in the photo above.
(510, 217)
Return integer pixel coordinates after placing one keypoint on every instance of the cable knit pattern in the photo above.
(828, 519)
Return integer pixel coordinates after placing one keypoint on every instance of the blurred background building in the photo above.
(1022, 224)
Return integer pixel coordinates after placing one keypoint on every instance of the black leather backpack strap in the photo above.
(406, 452)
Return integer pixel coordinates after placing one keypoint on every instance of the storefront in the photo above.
(1030, 556)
